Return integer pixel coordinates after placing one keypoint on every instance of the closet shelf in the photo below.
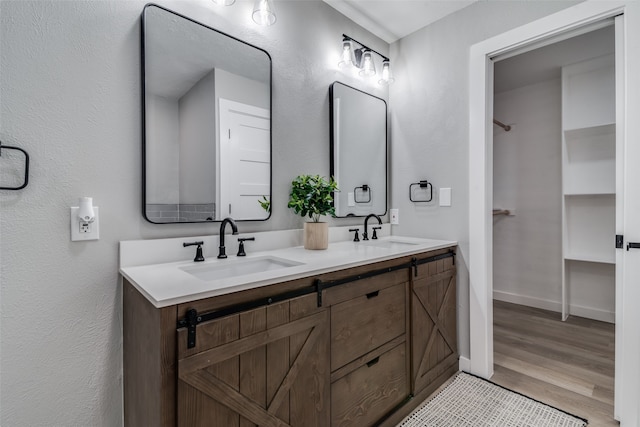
(588, 186)
(602, 259)
(591, 194)
(587, 131)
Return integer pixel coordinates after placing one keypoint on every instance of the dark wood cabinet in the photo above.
(352, 354)
(434, 344)
(369, 349)
(366, 321)
(371, 389)
(267, 366)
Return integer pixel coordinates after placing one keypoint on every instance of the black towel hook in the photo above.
(423, 185)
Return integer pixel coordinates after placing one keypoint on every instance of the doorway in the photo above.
(554, 221)
(554, 183)
(481, 189)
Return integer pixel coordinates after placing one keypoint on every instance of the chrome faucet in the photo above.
(365, 234)
(222, 253)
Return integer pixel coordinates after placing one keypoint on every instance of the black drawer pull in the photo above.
(373, 362)
(372, 294)
(633, 245)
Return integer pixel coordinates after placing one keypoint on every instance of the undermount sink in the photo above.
(390, 244)
(238, 267)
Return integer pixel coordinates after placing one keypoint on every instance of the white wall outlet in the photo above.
(82, 230)
(395, 220)
(445, 197)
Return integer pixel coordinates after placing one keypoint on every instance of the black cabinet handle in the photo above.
(633, 245)
(372, 294)
(373, 362)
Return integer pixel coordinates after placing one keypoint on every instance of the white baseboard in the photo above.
(593, 313)
(544, 304)
(575, 310)
(464, 364)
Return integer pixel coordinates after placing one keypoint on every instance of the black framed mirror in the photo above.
(358, 151)
(206, 122)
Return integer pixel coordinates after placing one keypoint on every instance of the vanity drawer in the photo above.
(366, 394)
(364, 323)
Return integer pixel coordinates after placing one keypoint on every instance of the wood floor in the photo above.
(569, 365)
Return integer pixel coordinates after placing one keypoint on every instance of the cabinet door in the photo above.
(433, 324)
(268, 366)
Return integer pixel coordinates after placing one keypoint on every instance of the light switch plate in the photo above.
(445, 197)
(80, 232)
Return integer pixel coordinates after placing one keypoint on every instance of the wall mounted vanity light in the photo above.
(362, 58)
(348, 57)
(368, 66)
(263, 11)
(387, 77)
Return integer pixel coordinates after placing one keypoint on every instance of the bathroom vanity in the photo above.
(357, 335)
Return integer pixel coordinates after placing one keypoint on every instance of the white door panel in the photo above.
(245, 171)
(627, 384)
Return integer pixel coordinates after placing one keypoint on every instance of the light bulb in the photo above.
(347, 54)
(368, 67)
(263, 13)
(386, 77)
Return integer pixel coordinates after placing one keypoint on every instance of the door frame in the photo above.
(481, 181)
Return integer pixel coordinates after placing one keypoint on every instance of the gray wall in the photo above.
(197, 148)
(70, 95)
(527, 172)
(163, 168)
(430, 122)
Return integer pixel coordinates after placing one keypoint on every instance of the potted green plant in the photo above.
(312, 196)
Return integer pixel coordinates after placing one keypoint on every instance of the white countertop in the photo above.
(166, 283)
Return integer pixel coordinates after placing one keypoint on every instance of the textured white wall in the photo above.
(527, 177)
(430, 122)
(70, 95)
